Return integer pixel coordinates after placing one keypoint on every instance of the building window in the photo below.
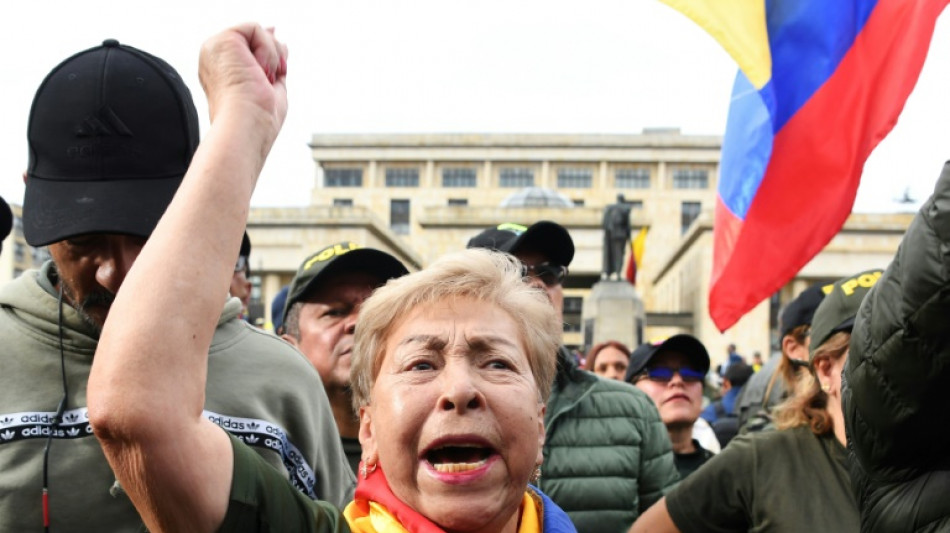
(690, 211)
(516, 177)
(19, 252)
(690, 178)
(402, 177)
(578, 202)
(461, 202)
(573, 304)
(458, 177)
(574, 178)
(40, 256)
(632, 178)
(343, 177)
(342, 202)
(399, 216)
(572, 313)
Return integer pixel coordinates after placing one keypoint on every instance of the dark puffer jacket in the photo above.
(898, 382)
(607, 455)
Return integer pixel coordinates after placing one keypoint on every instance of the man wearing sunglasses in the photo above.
(607, 457)
(672, 374)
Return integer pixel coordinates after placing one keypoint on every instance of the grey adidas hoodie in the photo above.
(260, 389)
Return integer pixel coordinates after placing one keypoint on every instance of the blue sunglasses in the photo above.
(665, 374)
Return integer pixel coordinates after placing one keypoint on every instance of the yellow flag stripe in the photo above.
(739, 26)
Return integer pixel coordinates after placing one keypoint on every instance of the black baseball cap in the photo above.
(6, 219)
(739, 373)
(245, 246)
(683, 343)
(549, 238)
(339, 258)
(799, 312)
(840, 307)
(111, 133)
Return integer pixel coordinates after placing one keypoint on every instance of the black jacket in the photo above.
(897, 382)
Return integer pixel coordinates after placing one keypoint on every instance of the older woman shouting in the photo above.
(451, 365)
(451, 368)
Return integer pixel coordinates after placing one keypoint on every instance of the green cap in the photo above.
(338, 258)
(840, 306)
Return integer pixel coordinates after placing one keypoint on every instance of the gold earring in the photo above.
(825, 387)
(365, 472)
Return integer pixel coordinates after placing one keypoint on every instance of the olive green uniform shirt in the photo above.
(778, 481)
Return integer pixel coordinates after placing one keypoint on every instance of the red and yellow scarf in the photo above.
(375, 509)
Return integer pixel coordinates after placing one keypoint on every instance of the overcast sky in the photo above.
(391, 66)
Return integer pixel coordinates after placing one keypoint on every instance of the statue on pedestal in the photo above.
(616, 237)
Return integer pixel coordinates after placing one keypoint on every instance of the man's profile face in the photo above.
(327, 321)
(241, 286)
(555, 292)
(91, 269)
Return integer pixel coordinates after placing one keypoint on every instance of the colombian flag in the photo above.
(821, 82)
(637, 246)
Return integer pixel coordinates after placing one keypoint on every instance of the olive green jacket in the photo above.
(607, 455)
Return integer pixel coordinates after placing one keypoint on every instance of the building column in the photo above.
(270, 286)
(429, 180)
(370, 180)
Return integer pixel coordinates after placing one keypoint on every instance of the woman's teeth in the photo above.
(453, 468)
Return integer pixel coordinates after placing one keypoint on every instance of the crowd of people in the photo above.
(133, 395)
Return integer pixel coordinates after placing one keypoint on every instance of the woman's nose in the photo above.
(460, 391)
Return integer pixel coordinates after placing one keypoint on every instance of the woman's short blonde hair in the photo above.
(478, 274)
(808, 405)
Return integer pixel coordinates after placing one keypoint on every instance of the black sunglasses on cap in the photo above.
(548, 273)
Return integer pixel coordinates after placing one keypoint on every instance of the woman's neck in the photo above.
(837, 419)
(682, 439)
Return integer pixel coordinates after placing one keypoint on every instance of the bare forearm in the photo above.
(656, 519)
(146, 389)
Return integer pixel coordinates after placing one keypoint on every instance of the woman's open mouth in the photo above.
(455, 458)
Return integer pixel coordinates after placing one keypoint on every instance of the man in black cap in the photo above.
(320, 313)
(774, 382)
(607, 456)
(111, 133)
(672, 373)
(241, 279)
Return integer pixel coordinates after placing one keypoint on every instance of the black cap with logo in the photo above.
(336, 259)
(840, 307)
(111, 134)
(549, 238)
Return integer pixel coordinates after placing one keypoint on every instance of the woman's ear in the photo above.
(367, 433)
(823, 368)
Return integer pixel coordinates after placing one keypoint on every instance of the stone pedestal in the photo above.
(613, 311)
